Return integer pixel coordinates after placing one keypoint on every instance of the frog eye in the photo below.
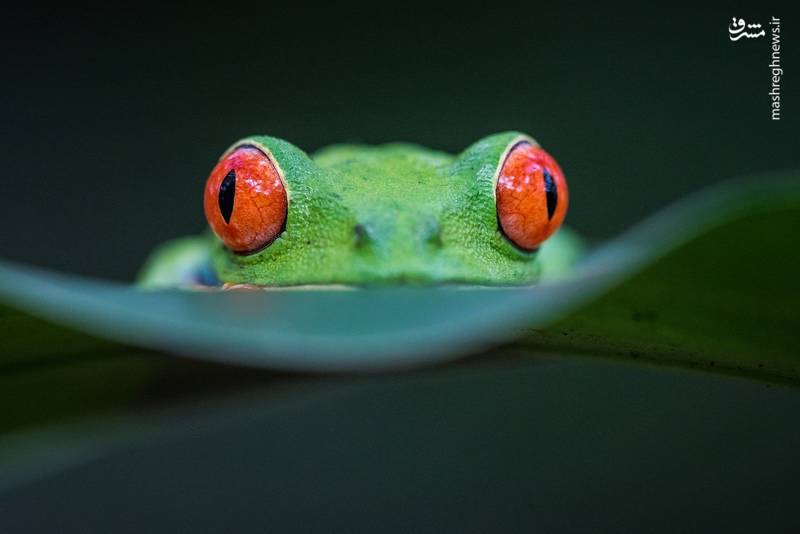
(531, 196)
(245, 200)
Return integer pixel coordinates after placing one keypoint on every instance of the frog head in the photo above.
(395, 213)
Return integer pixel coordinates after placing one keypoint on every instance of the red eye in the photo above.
(245, 201)
(532, 196)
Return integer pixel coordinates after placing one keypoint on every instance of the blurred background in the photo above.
(113, 119)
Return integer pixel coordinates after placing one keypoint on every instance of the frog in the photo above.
(355, 215)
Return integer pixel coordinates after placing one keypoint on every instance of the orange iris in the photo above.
(245, 200)
(532, 196)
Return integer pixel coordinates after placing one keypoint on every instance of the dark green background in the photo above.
(112, 120)
(506, 446)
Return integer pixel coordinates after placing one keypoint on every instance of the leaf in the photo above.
(726, 299)
(706, 280)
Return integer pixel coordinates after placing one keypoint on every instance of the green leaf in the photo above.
(707, 280)
(725, 299)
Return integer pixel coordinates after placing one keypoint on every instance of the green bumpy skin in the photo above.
(377, 215)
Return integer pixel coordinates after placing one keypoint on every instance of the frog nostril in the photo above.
(362, 236)
(432, 234)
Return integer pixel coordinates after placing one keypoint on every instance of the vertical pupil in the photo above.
(551, 191)
(227, 190)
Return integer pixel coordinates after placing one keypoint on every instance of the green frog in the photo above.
(355, 215)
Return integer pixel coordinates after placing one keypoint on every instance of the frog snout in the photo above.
(362, 235)
(431, 234)
(426, 233)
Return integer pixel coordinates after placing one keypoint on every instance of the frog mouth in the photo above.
(255, 287)
(350, 287)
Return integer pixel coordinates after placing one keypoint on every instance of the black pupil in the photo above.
(551, 191)
(227, 191)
